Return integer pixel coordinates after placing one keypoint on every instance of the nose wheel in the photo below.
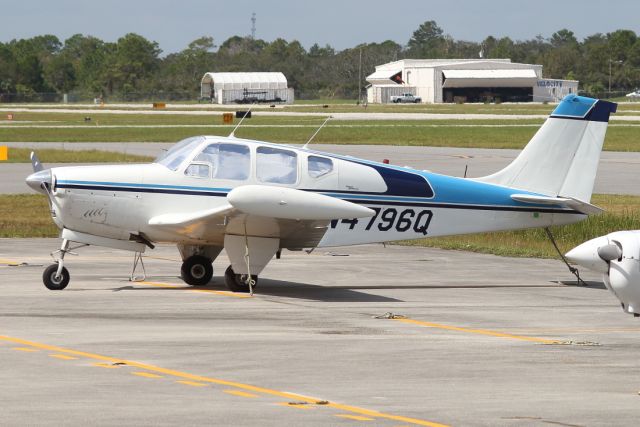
(56, 276)
(53, 280)
(196, 270)
(239, 282)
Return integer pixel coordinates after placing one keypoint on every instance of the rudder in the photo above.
(562, 157)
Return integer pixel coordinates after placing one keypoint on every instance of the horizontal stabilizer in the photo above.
(569, 202)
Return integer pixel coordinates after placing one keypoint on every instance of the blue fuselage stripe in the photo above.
(348, 196)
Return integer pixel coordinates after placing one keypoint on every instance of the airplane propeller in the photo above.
(41, 179)
(620, 274)
(610, 252)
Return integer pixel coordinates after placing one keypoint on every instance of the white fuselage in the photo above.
(118, 201)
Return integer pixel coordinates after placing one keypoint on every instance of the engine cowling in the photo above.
(617, 257)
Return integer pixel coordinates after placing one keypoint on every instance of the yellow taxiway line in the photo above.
(297, 406)
(354, 417)
(155, 371)
(478, 331)
(146, 374)
(106, 365)
(191, 383)
(63, 356)
(190, 289)
(240, 393)
(26, 349)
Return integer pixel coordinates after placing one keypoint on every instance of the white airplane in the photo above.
(617, 257)
(253, 198)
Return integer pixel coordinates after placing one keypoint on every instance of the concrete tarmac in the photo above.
(617, 172)
(484, 341)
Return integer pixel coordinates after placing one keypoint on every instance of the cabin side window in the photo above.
(226, 161)
(234, 162)
(276, 166)
(319, 166)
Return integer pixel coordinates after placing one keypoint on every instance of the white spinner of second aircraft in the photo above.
(617, 257)
(254, 198)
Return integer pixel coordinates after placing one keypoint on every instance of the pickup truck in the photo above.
(406, 97)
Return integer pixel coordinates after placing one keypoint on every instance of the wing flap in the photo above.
(188, 218)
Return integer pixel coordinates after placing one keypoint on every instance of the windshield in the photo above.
(173, 158)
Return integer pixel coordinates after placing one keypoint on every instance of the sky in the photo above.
(339, 23)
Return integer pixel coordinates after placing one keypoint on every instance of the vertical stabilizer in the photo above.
(562, 157)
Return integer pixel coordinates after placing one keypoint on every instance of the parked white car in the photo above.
(406, 97)
(635, 94)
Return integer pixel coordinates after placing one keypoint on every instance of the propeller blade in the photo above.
(35, 162)
(610, 252)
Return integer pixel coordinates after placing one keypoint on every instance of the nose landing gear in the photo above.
(54, 280)
(56, 277)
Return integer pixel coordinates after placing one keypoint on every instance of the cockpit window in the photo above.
(197, 170)
(276, 166)
(173, 158)
(319, 166)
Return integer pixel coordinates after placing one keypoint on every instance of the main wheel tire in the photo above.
(196, 270)
(55, 283)
(238, 282)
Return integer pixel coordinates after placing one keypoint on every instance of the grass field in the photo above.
(214, 118)
(25, 215)
(28, 216)
(21, 155)
(619, 138)
(331, 105)
(489, 133)
(622, 213)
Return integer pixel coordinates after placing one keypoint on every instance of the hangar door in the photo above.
(488, 85)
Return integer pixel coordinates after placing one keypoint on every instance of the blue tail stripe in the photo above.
(582, 108)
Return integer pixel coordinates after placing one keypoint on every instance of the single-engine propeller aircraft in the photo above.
(254, 198)
(617, 257)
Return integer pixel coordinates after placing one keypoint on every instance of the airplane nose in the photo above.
(35, 180)
(587, 256)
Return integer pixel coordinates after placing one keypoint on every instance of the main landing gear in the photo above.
(239, 282)
(197, 270)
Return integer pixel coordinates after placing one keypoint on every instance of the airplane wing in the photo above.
(298, 218)
(570, 202)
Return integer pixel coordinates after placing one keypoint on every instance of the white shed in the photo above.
(245, 88)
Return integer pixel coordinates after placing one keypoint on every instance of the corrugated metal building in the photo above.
(245, 88)
(462, 80)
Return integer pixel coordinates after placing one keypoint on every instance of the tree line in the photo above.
(133, 67)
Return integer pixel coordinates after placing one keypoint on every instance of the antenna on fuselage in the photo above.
(246, 113)
(316, 132)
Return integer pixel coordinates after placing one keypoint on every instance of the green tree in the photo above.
(427, 41)
(132, 62)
